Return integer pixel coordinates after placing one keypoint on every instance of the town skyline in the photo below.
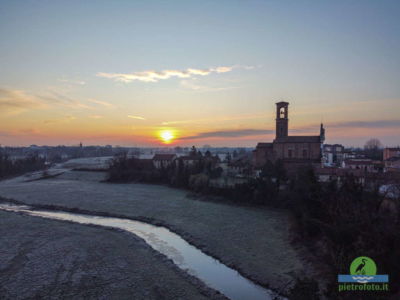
(184, 73)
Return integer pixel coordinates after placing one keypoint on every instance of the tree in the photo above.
(373, 149)
(373, 144)
(275, 172)
(193, 152)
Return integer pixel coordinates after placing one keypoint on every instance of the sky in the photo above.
(152, 73)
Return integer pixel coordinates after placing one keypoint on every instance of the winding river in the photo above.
(212, 272)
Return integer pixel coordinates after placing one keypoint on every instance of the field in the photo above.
(255, 241)
(47, 259)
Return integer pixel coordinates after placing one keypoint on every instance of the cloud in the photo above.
(178, 122)
(5, 133)
(192, 85)
(366, 124)
(72, 81)
(229, 133)
(305, 129)
(102, 103)
(96, 117)
(220, 119)
(66, 118)
(54, 97)
(15, 101)
(136, 117)
(155, 76)
(23, 132)
(29, 131)
(374, 124)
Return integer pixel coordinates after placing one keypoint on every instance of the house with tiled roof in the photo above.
(163, 160)
(392, 164)
(364, 164)
(391, 152)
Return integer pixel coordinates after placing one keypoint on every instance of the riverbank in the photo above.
(53, 259)
(255, 241)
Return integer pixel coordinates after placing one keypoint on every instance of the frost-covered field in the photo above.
(89, 162)
(253, 240)
(47, 259)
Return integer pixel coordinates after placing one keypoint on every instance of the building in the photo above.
(163, 160)
(332, 155)
(392, 164)
(349, 154)
(359, 164)
(240, 167)
(391, 152)
(294, 151)
(369, 180)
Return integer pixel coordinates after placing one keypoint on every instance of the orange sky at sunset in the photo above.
(121, 74)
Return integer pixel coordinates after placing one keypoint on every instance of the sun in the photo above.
(166, 136)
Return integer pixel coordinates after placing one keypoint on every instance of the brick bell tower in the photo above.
(282, 121)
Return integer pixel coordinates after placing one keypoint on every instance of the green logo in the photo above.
(363, 265)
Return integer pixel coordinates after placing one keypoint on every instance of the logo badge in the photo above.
(363, 271)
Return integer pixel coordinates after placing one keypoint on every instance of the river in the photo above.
(212, 272)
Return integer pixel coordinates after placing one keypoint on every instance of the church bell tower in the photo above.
(282, 121)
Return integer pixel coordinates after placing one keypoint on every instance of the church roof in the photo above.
(264, 145)
(299, 139)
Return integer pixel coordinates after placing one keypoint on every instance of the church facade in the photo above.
(292, 150)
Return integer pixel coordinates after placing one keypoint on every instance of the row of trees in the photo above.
(177, 174)
(341, 222)
(337, 221)
(9, 167)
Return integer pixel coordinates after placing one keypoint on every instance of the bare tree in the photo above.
(373, 144)
(373, 149)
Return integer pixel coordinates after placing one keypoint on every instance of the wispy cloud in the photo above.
(72, 81)
(54, 97)
(229, 133)
(21, 132)
(220, 119)
(374, 124)
(102, 103)
(155, 76)
(300, 130)
(16, 101)
(29, 131)
(96, 117)
(66, 118)
(136, 117)
(366, 124)
(5, 133)
(192, 84)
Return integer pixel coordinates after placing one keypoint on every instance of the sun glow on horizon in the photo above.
(166, 136)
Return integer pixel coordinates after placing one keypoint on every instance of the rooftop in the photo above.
(264, 145)
(164, 156)
(359, 162)
(299, 139)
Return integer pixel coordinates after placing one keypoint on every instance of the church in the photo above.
(294, 151)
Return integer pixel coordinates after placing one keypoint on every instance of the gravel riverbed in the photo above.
(255, 241)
